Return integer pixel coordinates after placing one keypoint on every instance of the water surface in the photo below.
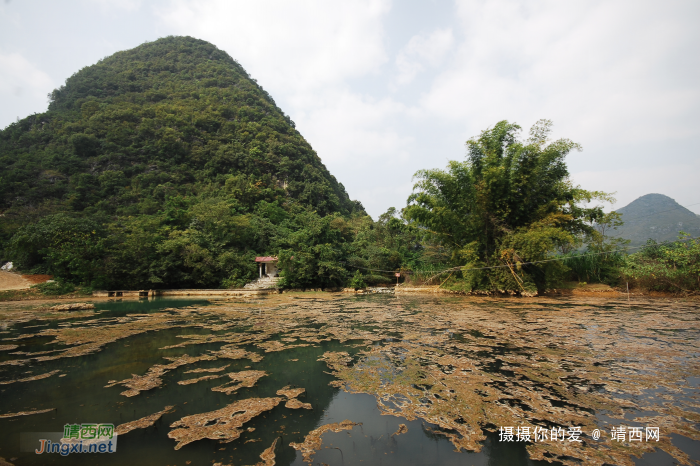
(426, 380)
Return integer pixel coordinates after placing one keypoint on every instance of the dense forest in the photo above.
(162, 166)
(168, 166)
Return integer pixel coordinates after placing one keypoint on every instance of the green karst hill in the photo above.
(176, 113)
(164, 165)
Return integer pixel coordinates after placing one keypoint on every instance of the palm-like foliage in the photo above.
(511, 202)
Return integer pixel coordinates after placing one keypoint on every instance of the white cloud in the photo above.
(347, 127)
(289, 46)
(123, 5)
(23, 84)
(420, 50)
(602, 70)
(379, 196)
(361, 141)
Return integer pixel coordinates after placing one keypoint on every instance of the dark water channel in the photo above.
(79, 395)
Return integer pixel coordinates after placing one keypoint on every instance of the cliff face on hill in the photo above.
(657, 217)
(164, 165)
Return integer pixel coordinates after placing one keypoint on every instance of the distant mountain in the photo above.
(657, 217)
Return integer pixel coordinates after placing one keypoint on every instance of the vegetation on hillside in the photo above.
(161, 166)
(167, 166)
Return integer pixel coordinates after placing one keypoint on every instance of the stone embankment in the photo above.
(185, 292)
(371, 290)
(264, 283)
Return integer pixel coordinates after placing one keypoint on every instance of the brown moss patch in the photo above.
(152, 379)
(268, 455)
(31, 379)
(142, 423)
(223, 424)
(199, 379)
(290, 392)
(240, 380)
(296, 404)
(26, 413)
(72, 307)
(213, 369)
(233, 352)
(312, 441)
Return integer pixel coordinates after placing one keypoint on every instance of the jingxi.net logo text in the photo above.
(81, 438)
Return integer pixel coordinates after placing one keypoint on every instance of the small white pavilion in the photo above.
(267, 266)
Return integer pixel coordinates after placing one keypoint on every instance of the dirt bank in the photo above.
(596, 290)
(13, 281)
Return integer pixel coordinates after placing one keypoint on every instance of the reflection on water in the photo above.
(376, 441)
(449, 370)
(126, 306)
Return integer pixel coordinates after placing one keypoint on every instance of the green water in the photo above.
(80, 397)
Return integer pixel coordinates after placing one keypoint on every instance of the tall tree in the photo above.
(510, 203)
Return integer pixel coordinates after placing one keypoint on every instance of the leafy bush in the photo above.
(55, 288)
(595, 267)
(62, 245)
(666, 267)
(358, 281)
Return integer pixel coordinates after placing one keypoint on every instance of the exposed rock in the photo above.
(264, 283)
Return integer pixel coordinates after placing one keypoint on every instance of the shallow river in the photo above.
(353, 380)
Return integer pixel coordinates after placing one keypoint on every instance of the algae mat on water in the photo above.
(498, 381)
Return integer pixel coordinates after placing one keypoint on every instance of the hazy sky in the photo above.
(381, 89)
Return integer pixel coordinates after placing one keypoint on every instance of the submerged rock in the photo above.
(72, 307)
